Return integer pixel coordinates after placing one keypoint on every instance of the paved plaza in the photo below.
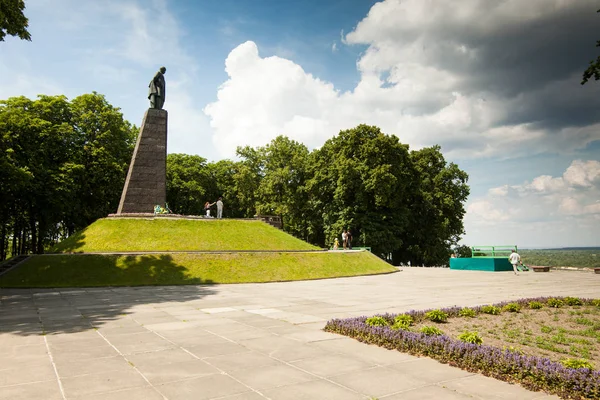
(247, 341)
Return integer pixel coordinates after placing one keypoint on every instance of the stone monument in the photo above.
(146, 183)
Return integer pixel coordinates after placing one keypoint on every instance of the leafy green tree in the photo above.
(437, 200)
(105, 144)
(188, 183)
(360, 180)
(463, 251)
(282, 189)
(12, 19)
(593, 70)
(62, 165)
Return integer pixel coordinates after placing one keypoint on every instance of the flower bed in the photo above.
(533, 372)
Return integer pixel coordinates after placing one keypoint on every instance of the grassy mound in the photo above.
(114, 235)
(177, 269)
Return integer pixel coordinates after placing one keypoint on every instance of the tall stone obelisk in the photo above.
(146, 183)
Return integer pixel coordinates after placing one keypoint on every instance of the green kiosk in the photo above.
(485, 258)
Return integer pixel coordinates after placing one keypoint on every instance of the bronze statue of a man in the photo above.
(158, 90)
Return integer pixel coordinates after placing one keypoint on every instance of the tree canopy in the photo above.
(593, 70)
(63, 164)
(12, 19)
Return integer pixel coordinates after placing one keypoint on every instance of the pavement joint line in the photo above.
(219, 369)
(132, 364)
(289, 364)
(60, 386)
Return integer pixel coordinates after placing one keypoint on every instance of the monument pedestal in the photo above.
(146, 183)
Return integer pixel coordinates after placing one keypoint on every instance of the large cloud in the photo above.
(557, 211)
(477, 79)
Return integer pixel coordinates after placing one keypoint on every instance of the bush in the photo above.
(556, 303)
(467, 312)
(436, 316)
(493, 310)
(377, 321)
(512, 307)
(470, 337)
(431, 331)
(572, 301)
(402, 321)
(535, 305)
(596, 302)
(575, 363)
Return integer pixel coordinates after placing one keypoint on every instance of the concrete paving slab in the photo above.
(162, 357)
(429, 393)
(216, 349)
(85, 385)
(489, 388)
(72, 366)
(83, 349)
(202, 388)
(332, 364)
(431, 371)
(28, 374)
(39, 390)
(271, 376)
(140, 343)
(142, 393)
(318, 389)
(233, 362)
(163, 373)
(378, 381)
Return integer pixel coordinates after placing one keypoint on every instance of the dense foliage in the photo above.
(12, 19)
(572, 379)
(62, 166)
(593, 70)
(405, 205)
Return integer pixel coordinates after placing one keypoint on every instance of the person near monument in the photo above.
(220, 208)
(514, 259)
(207, 207)
(157, 90)
(344, 239)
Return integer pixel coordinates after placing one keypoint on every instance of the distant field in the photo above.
(569, 257)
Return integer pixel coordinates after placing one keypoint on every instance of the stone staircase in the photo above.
(12, 262)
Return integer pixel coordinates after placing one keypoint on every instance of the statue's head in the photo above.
(163, 70)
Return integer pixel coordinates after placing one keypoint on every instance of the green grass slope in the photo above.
(177, 269)
(123, 234)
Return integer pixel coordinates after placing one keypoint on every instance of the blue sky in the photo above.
(495, 83)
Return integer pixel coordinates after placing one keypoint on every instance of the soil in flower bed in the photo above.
(554, 333)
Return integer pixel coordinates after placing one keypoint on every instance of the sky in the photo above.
(496, 83)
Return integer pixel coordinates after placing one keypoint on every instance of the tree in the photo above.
(62, 165)
(282, 189)
(360, 179)
(12, 20)
(594, 68)
(436, 208)
(187, 181)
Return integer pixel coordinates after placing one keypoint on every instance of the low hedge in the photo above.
(535, 373)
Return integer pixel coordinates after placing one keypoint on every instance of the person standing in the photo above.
(514, 259)
(344, 239)
(207, 207)
(349, 239)
(220, 208)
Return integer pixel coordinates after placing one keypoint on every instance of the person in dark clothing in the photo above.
(349, 239)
